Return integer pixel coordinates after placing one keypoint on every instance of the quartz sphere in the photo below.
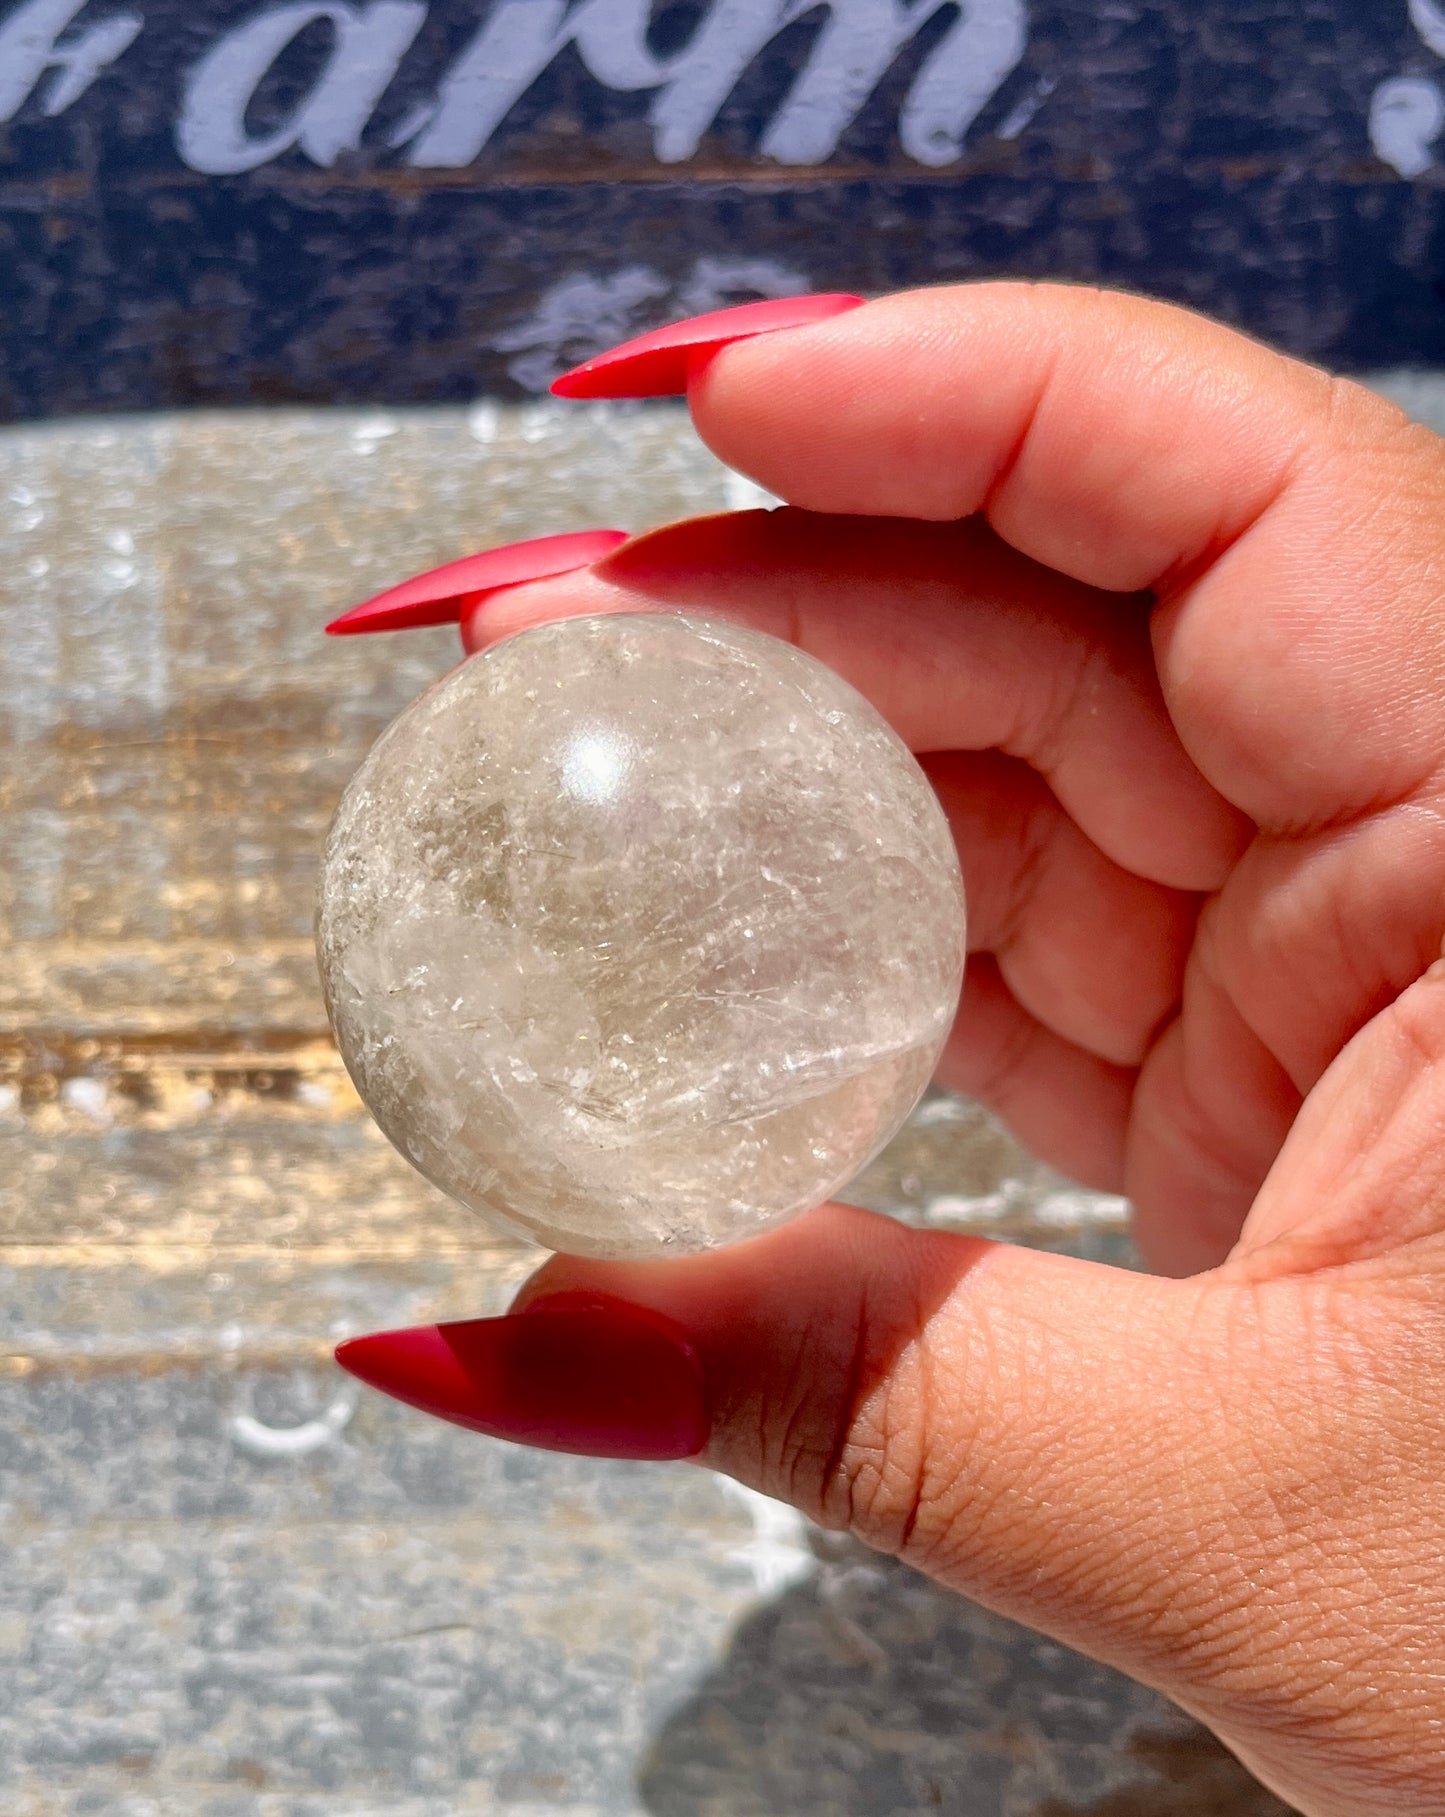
(640, 933)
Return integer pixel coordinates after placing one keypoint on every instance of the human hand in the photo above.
(1165, 613)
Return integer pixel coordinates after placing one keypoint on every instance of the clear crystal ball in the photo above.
(640, 933)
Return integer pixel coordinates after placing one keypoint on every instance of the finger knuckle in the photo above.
(862, 1457)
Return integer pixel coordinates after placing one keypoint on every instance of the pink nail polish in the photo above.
(657, 364)
(573, 1372)
(443, 595)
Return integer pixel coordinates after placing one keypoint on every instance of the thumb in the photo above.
(1222, 1486)
(1051, 1436)
(1208, 1483)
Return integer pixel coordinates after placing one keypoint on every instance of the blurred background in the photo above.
(281, 288)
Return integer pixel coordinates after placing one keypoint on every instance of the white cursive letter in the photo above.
(960, 77)
(850, 57)
(28, 48)
(368, 44)
(504, 59)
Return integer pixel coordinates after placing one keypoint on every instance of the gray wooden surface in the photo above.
(230, 1584)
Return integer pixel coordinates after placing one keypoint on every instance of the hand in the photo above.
(1165, 614)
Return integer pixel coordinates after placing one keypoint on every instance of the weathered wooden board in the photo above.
(241, 201)
(406, 1623)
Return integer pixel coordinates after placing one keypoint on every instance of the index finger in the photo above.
(1114, 439)
(1288, 522)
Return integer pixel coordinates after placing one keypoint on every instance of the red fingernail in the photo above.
(443, 595)
(572, 1373)
(656, 364)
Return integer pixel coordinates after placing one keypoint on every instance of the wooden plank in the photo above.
(174, 730)
(397, 206)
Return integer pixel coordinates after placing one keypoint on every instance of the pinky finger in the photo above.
(1066, 1105)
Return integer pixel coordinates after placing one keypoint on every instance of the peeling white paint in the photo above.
(778, 1554)
(89, 1096)
(583, 314)
(250, 1435)
(1406, 116)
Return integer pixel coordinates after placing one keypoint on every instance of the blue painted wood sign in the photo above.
(207, 201)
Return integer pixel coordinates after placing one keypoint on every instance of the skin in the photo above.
(1165, 614)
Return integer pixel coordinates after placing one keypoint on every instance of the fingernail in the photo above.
(571, 1373)
(442, 595)
(656, 364)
